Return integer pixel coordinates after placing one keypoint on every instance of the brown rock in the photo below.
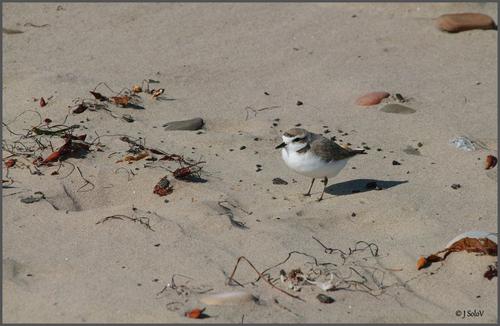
(372, 98)
(454, 23)
(490, 162)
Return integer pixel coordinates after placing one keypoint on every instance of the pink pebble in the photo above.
(372, 98)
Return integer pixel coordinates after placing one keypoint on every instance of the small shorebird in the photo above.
(314, 156)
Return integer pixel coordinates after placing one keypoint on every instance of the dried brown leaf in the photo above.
(482, 245)
(121, 100)
(99, 96)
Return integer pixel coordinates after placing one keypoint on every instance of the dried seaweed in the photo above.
(141, 220)
(231, 278)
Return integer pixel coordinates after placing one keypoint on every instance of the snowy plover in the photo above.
(314, 156)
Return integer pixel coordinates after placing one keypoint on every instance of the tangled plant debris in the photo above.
(45, 144)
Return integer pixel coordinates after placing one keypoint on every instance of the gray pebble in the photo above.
(192, 124)
(397, 108)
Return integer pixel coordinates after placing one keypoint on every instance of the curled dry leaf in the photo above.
(484, 246)
(10, 163)
(121, 100)
(99, 96)
(42, 102)
(163, 188)
(491, 272)
(491, 162)
(195, 313)
(80, 108)
(54, 156)
(171, 157)
(472, 241)
(157, 92)
(47, 121)
(421, 262)
(182, 172)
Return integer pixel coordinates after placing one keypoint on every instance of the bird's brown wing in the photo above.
(329, 150)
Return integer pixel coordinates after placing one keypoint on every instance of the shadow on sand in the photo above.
(360, 185)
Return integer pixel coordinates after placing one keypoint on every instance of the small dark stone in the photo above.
(366, 147)
(379, 149)
(128, 118)
(33, 199)
(139, 284)
(231, 149)
(419, 144)
(324, 298)
(275, 124)
(298, 124)
(199, 132)
(279, 181)
(326, 131)
(155, 280)
(353, 214)
(277, 119)
(256, 139)
(333, 138)
(395, 163)
(242, 148)
(258, 165)
(354, 16)
(266, 93)
(299, 103)
(29, 275)
(157, 245)
(456, 186)
(345, 134)
(354, 168)
(348, 144)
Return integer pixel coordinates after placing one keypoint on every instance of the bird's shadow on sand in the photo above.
(360, 185)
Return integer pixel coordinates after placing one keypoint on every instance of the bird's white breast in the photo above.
(310, 165)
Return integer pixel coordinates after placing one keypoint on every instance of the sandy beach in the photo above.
(96, 245)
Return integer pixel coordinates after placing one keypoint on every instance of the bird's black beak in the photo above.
(281, 145)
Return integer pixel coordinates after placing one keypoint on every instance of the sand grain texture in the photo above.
(216, 61)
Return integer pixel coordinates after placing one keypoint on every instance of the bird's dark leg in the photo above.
(309, 192)
(325, 181)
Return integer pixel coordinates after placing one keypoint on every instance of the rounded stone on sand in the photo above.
(454, 23)
(372, 98)
(192, 124)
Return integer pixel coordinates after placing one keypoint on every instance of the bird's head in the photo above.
(295, 139)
